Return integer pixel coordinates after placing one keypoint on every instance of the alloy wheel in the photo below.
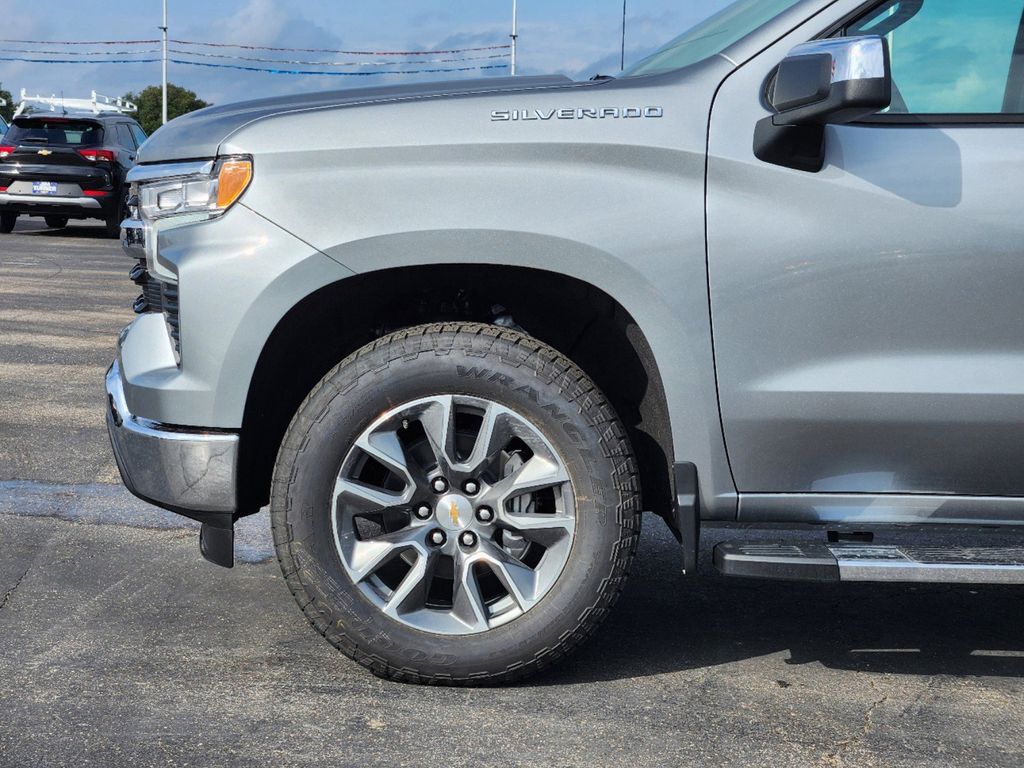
(453, 514)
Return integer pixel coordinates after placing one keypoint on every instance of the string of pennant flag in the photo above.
(487, 57)
(269, 70)
(205, 54)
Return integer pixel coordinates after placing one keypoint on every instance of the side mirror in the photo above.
(832, 81)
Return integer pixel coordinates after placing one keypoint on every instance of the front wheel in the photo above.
(455, 504)
(56, 222)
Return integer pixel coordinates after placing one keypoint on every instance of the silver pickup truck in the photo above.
(458, 336)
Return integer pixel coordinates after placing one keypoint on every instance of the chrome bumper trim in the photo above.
(81, 202)
(168, 466)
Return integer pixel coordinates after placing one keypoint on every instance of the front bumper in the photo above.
(35, 205)
(188, 471)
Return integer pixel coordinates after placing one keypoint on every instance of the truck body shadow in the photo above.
(666, 623)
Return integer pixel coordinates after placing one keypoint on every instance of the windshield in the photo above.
(711, 36)
(55, 130)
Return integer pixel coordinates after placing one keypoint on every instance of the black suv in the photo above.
(67, 166)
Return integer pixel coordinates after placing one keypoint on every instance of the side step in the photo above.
(871, 562)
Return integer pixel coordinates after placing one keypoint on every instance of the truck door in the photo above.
(869, 319)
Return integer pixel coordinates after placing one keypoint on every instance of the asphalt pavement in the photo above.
(120, 646)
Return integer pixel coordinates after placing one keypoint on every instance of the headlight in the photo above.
(204, 193)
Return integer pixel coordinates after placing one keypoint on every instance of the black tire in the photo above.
(112, 222)
(505, 367)
(7, 222)
(56, 222)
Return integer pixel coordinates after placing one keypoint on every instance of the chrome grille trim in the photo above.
(157, 295)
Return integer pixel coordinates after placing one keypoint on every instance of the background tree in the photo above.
(180, 101)
(7, 112)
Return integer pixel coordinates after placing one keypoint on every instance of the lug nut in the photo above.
(470, 487)
(484, 514)
(423, 512)
(468, 539)
(437, 538)
(440, 485)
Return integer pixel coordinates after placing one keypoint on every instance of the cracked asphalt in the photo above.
(120, 646)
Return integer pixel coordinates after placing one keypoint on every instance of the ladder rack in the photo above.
(96, 104)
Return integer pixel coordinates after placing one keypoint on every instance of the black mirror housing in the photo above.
(833, 81)
(802, 81)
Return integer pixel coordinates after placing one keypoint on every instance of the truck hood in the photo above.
(198, 135)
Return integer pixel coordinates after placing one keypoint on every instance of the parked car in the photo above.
(68, 162)
(458, 336)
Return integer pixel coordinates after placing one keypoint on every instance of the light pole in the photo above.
(164, 30)
(515, 33)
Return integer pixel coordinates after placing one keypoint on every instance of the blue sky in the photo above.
(574, 37)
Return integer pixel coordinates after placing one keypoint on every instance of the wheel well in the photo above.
(580, 321)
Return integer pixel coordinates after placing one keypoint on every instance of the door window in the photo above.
(124, 136)
(952, 56)
(138, 133)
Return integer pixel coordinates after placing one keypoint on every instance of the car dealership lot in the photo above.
(119, 645)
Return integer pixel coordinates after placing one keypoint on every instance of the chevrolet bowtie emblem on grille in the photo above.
(45, 152)
(453, 511)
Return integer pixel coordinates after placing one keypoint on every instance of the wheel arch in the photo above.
(577, 318)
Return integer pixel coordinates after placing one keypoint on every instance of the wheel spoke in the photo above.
(365, 498)
(543, 528)
(386, 448)
(467, 602)
(519, 579)
(493, 435)
(438, 420)
(536, 474)
(365, 556)
(411, 593)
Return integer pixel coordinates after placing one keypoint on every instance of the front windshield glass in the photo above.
(711, 36)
